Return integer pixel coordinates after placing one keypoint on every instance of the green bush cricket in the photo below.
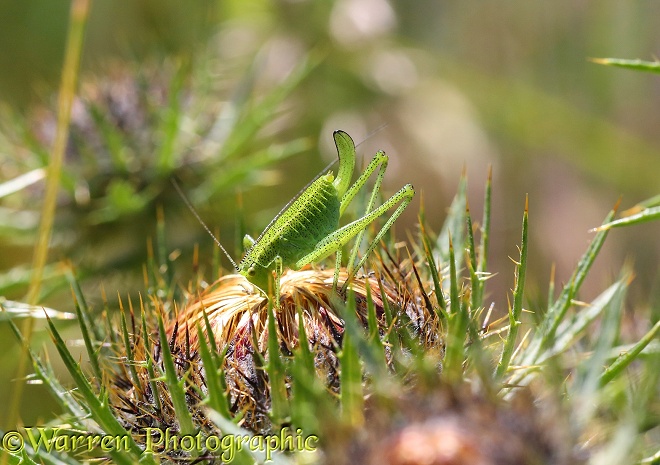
(307, 229)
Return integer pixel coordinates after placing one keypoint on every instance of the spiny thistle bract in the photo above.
(238, 321)
(407, 369)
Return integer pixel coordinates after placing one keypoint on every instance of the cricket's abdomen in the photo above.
(298, 228)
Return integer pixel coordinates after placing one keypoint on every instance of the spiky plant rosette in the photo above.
(232, 317)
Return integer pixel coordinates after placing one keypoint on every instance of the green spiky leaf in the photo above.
(276, 374)
(637, 65)
(97, 404)
(174, 384)
(646, 215)
(516, 311)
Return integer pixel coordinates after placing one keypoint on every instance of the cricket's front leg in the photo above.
(337, 268)
(279, 270)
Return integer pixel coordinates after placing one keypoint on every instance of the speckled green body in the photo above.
(312, 216)
(307, 229)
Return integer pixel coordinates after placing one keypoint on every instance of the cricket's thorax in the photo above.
(295, 232)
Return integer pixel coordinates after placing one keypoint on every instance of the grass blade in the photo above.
(306, 357)
(516, 311)
(99, 409)
(11, 310)
(313, 405)
(217, 396)
(275, 370)
(591, 371)
(637, 65)
(391, 335)
(545, 336)
(624, 360)
(128, 350)
(646, 215)
(375, 344)
(569, 332)
(475, 300)
(21, 182)
(149, 359)
(435, 276)
(80, 300)
(174, 385)
(91, 351)
(350, 376)
(78, 14)
(648, 203)
(45, 372)
(485, 240)
(457, 324)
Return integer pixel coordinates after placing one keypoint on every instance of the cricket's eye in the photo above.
(251, 271)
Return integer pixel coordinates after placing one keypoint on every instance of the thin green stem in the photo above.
(516, 310)
(485, 238)
(78, 19)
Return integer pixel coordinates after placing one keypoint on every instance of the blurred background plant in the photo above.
(208, 92)
(456, 86)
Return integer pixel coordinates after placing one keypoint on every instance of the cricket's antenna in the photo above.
(194, 212)
(372, 133)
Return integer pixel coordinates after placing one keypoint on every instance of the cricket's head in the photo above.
(256, 274)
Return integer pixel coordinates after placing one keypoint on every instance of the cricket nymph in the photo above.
(307, 229)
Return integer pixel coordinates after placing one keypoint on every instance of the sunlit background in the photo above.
(442, 87)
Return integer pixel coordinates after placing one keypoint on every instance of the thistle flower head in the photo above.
(236, 318)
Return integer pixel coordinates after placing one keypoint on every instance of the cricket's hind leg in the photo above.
(334, 241)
